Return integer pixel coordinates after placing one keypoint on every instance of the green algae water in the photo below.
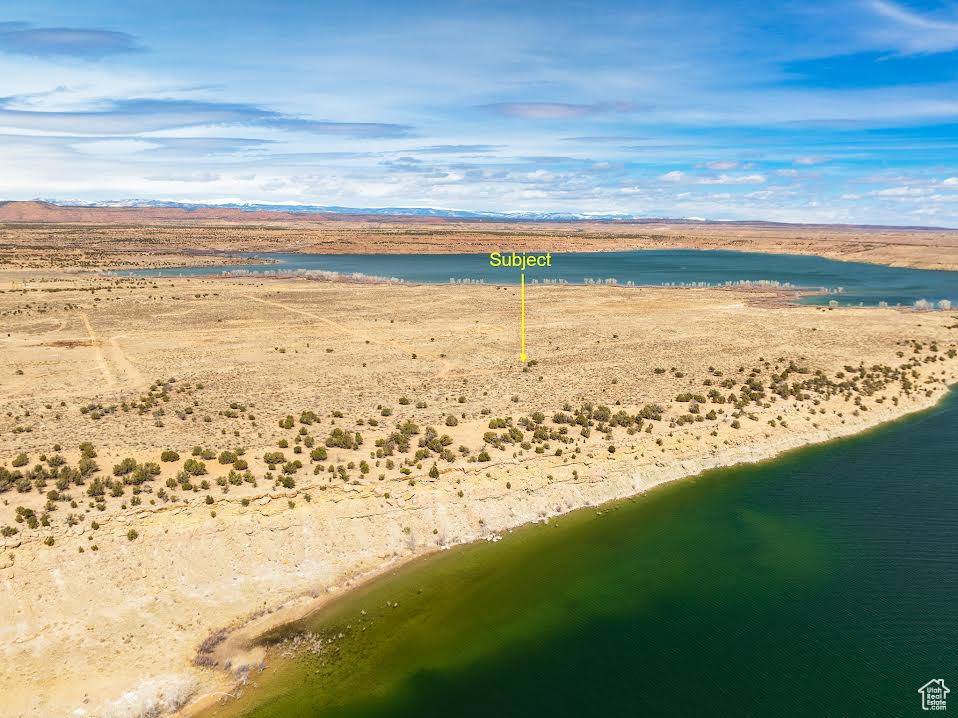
(823, 583)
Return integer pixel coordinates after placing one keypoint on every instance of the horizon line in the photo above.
(455, 214)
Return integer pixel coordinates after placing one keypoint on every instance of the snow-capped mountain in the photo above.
(335, 209)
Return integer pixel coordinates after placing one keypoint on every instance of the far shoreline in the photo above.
(275, 266)
(256, 260)
(104, 237)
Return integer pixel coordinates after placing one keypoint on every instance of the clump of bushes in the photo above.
(194, 467)
(272, 458)
(124, 467)
(342, 439)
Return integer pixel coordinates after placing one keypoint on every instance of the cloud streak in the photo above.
(809, 160)
(678, 176)
(133, 116)
(454, 149)
(86, 43)
(912, 33)
(555, 110)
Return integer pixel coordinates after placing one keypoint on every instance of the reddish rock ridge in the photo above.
(45, 212)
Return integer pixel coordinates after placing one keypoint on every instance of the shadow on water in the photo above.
(822, 583)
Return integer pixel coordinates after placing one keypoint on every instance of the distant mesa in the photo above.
(136, 211)
(41, 211)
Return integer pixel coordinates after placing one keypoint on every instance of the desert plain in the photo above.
(188, 462)
(37, 236)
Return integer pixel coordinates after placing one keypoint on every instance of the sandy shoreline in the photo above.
(241, 644)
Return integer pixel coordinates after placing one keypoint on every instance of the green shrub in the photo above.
(124, 467)
(194, 467)
(143, 472)
(272, 458)
(344, 439)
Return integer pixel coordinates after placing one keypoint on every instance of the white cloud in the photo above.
(733, 179)
(679, 176)
(723, 165)
(539, 176)
(115, 147)
(194, 177)
(911, 33)
(811, 160)
(904, 191)
(554, 110)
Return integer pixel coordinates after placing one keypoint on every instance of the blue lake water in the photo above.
(847, 282)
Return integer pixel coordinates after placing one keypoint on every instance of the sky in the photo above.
(842, 111)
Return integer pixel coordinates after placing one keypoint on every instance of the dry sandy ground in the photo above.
(140, 366)
(80, 239)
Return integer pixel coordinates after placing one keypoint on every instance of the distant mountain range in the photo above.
(138, 210)
(364, 211)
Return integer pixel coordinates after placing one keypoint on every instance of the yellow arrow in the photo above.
(522, 291)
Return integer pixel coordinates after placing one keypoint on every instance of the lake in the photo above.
(859, 283)
(820, 583)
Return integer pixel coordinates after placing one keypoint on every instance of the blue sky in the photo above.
(802, 112)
